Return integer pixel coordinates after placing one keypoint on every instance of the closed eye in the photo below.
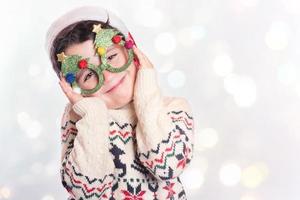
(112, 56)
(88, 76)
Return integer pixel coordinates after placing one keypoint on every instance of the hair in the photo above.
(73, 34)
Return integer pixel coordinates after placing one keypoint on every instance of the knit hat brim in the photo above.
(81, 14)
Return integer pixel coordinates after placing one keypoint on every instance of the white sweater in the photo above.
(135, 152)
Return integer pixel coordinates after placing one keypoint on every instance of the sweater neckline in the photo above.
(125, 113)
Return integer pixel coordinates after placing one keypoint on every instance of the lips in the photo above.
(116, 85)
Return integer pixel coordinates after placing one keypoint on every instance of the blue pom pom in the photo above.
(70, 78)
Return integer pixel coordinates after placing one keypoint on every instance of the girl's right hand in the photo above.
(67, 89)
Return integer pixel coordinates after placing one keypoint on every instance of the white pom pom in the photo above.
(77, 90)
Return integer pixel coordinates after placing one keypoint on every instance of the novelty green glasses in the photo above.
(71, 65)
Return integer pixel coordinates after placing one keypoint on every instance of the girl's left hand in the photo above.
(143, 60)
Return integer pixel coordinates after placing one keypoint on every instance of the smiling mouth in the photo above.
(115, 86)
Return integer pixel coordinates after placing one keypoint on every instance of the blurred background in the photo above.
(236, 61)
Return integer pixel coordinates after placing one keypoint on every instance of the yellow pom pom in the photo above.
(101, 51)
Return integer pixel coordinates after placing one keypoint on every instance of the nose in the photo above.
(108, 76)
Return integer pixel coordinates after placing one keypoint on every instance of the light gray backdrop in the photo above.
(236, 61)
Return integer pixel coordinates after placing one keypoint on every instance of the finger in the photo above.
(68, 91)
(145, 57)
(61, 76)
(145, 60)
(64, 82)
(65, 86)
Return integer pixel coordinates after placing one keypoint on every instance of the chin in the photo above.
(124, 99)
(118, 99)
(117, 105)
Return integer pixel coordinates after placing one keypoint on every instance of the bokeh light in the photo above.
(223, 65)
(236, 62)
(48, 197)
(254, 175)
(5, 192)
(166, 67)
(31, 127)
(176, 78)
(230, 174)
(277, 38)
(189, 36)
(249, 197)
(242, 88)
(165, 43)
(196, 182)
(292, 6)
(148, 16)
(288, 73)
(207, 138)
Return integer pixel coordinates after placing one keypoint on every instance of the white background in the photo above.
(236, 61)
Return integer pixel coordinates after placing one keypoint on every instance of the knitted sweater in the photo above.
(135, 152)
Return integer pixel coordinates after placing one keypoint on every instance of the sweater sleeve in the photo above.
(86, 164)
(165, 129)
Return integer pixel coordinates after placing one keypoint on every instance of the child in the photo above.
(121, 138)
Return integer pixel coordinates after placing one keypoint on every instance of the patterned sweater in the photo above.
(135, 152)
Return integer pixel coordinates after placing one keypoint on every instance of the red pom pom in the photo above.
(82, 64)
(116, 39)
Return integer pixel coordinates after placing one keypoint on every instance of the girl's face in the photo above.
(117, 89)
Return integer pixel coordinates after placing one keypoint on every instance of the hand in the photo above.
(67, 89)
(143, 60)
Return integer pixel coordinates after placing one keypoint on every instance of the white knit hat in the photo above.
(80, 14)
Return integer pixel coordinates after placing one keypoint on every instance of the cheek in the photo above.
(122, 60)
(123, 56)
(133, 71)
(130, 77)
